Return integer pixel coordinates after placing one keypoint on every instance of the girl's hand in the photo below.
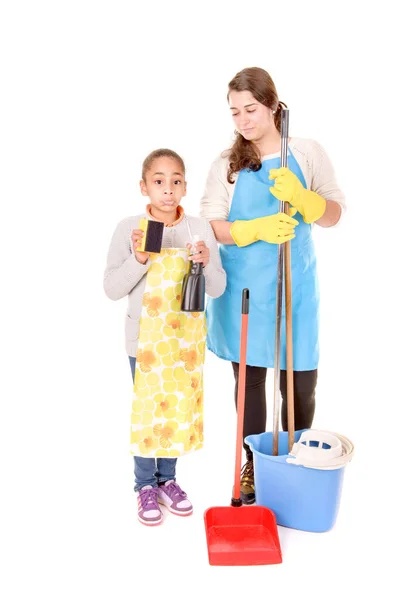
(202, 253)
(137, 236)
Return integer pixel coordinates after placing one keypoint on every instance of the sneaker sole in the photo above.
(150, 523)
(180, 513)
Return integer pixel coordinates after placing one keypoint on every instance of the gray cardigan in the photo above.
(125, 276)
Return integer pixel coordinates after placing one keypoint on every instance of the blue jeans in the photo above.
(151, 471)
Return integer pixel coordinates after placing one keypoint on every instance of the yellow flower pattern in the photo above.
(167, 408)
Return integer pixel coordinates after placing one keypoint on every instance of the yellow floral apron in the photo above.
(167, 408)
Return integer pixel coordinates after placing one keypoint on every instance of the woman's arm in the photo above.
(214, 205)
(324, 183)
(222, 231)
(214, 273)
(332, 214)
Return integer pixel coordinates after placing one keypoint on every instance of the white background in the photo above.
(88, 89)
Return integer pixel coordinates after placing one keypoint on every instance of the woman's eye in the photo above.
(177, 182)
(249, 111)
(158, 181)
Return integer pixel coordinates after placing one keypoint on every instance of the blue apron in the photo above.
(255, 267)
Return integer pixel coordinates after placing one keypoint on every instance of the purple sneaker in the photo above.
(149, 512)
(171, 495)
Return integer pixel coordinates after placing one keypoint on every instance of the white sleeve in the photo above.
(323, 179)
(123, 272)
(214, 204)
(214, 273)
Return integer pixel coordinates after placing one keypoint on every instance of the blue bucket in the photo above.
(301, 497)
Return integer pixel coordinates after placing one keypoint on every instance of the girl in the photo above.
(165, 346)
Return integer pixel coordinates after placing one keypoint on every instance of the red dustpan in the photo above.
(239, 536)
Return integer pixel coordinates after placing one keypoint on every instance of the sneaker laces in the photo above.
(175, 491)
(148, 499)
(247, 474)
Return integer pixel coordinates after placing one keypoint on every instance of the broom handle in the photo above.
(241, 396)
(284, 263)
(277, 361)
(288, 298)
(289, 343)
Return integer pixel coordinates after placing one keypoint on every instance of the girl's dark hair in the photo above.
(244, 154)
(160, 153)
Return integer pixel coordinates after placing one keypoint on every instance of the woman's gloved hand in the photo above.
(275, 229)
(288, 188)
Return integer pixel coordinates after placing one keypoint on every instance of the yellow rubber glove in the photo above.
(289, 188)
(275, 229)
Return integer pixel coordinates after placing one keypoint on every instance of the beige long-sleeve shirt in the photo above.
(125, 276)
(312, 159)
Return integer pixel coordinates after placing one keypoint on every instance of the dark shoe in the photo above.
(247, 493)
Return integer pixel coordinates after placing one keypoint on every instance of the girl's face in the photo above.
(165, 184)
(253, 120)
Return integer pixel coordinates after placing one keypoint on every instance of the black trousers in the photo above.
(255, 410)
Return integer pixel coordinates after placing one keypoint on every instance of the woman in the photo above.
(241, 200)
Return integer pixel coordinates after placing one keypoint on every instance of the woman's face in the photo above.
(252, 119)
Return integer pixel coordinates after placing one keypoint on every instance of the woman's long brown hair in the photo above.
(244, 154)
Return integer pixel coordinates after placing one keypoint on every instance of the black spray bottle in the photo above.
(194, 285)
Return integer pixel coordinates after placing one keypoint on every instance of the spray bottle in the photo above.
(194, 285)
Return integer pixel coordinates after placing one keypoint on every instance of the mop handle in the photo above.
(288, 300)
(279, 282)
(236, 501)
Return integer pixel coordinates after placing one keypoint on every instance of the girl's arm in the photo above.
(123, 272)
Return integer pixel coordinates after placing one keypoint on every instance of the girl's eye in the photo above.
(158, 181)
(235, 114)
(177, 182)
(254, 110)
